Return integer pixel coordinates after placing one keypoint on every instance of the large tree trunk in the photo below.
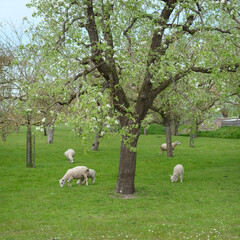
(29, 146)
(127, 165)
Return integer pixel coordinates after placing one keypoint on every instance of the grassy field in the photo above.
(205, 206)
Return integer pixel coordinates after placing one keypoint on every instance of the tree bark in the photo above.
(127, 165)
(145, 131)
(169, 140)
(191, 142)
(50, 133)
(175, 126)
(44, 131)
(29, 146)
(3, 135)
(95, 144)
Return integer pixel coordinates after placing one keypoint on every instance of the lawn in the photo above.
(205, 206)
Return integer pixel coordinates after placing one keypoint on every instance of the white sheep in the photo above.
(70, 153)
(164, 146)
(177, 172)
(79, 172)
(91, 174)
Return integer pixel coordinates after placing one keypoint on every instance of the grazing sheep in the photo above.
(177, 172)
(91, 174)
(164, 146)
(70, 153)
(80, 172)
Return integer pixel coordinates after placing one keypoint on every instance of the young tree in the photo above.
(139, 48)
(22, 100)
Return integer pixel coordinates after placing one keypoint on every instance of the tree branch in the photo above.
(125, 33)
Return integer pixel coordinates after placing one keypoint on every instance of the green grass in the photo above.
(205, 206)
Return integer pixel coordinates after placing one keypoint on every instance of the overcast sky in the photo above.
(14, 10)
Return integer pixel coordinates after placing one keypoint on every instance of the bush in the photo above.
(223, 132)
(154, 129)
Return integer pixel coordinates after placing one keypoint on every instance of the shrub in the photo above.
(223, 132)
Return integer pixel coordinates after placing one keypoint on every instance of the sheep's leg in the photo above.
(181, 178)
(79, 182)
(70, 182)
(86, 179)
(93, 180)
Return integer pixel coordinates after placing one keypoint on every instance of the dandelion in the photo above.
(44, 120)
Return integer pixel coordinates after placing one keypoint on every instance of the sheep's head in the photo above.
(62, 182)
(173, 179)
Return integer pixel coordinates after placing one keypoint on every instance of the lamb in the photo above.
(177, 172)
(70, 153)
(91, 174)
(164, 146)
(79, 172)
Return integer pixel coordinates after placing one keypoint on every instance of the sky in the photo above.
(14, 10)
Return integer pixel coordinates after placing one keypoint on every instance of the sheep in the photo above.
(70, 153)
(177, 172)
(91, 174)
(79, 172)
(164, 146)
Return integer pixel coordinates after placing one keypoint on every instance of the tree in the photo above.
(22, 100)
(139, 49)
